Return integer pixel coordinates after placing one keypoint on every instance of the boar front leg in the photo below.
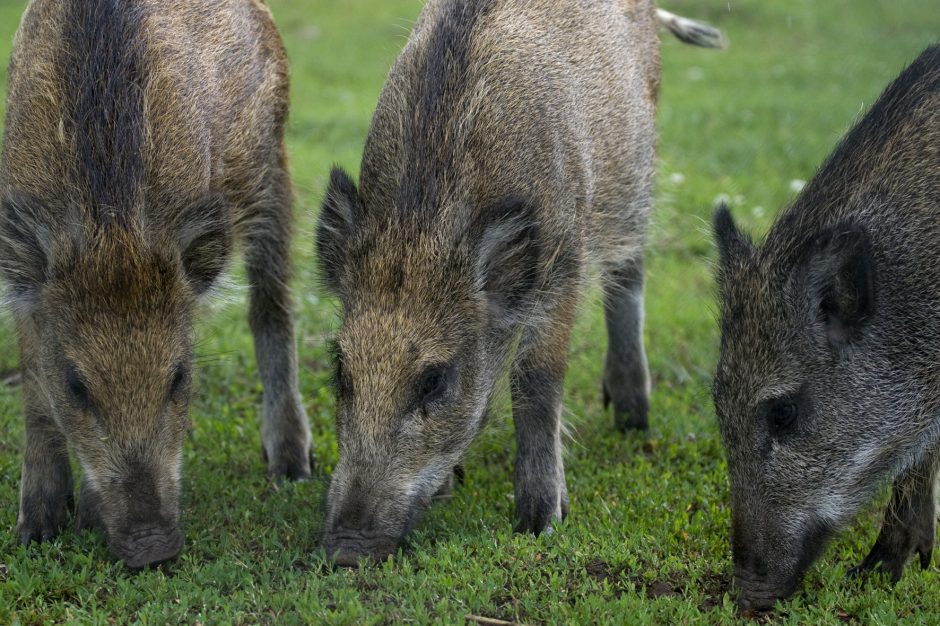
(537, 381)
(626, 374)
(285, 433)
(46, 484)
(910, 523)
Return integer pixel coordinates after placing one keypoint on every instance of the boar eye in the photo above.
(433, 384)
(782, 416)
(179, 379)
(77, 388)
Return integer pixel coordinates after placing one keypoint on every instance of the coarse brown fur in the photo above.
(512, 146)
(141, 138)
(827, 382)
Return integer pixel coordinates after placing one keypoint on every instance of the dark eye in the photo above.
(77, 388)
(179, 380)
(782, 416)
(433, 384)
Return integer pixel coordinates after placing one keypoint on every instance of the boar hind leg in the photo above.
(910, 523)
(285, 433)
(537, 381)
(626, 375)
(46, 485)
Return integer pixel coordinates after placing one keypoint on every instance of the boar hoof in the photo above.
(629, 413)
(293, 465)
(538, 518)
(536, 527)
(42, 522)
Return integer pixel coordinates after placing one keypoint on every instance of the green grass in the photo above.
(647, 538)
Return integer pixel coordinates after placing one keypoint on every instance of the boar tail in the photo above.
(689, 31)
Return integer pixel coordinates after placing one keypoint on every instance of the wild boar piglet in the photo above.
(828, 382)
(512, 146)
(141, 138)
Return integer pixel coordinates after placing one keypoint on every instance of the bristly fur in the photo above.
(512, 147)
(104, 44)
(141, 137)
(833, 319)
(431, 135)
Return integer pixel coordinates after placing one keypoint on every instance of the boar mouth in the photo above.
(759, 594)
(345, 547)
(147, 547)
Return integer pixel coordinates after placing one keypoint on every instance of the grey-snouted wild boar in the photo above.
(141, 137)
(828, 382)
(513, 144)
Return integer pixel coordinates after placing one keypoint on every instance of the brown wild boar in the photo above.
(512, 145)
(827, 384)
(141, 137)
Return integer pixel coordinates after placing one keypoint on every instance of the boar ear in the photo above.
(25, 248)
(508, 258)
(205, 240)
(841, 281)
(732, 243)
(336, 225)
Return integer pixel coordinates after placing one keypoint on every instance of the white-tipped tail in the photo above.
(690, 31)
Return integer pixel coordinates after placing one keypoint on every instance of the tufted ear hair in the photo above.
(732, 243)
(841, 282)
(204, 236)
(26, 241)
(508, 258)
(338, 223)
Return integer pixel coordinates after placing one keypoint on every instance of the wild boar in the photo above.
(512, 145)
(827, 383)
(141, 137)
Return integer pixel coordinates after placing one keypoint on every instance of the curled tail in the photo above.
(689, 31)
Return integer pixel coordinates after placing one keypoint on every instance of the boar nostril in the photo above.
(148, 547)
(345, 548)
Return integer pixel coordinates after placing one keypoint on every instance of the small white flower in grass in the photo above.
(722, 198)
(757, 211)
(797, 184)
(695, 73)
(677, 178)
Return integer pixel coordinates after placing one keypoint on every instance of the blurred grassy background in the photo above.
(647, 537)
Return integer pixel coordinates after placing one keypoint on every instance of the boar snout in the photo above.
(757, 595)
(139, 510)
(355, 533)
(756, 590)
(771, 567)
(346, 546)
(364, 522)
(147, 545)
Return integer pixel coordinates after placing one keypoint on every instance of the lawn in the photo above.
(647, 538)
